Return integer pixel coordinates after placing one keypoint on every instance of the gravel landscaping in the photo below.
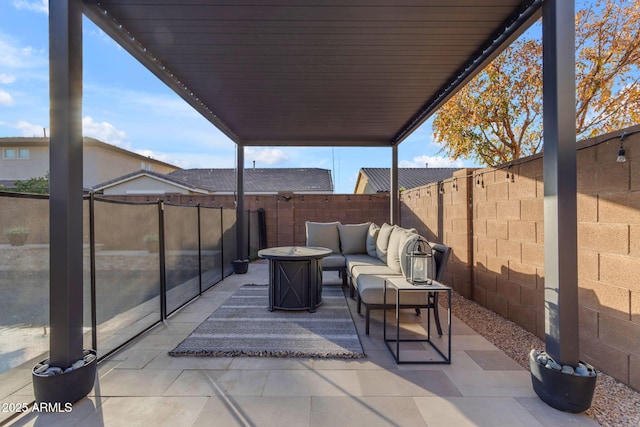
(614, 403)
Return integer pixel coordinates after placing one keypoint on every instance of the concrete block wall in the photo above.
(508, 239)
(286, 213)
(505, 257)
(440, 212)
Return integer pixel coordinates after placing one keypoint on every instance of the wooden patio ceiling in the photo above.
(314, 72)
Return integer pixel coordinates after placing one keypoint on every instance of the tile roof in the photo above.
(259, 180)
(161, 176)
(378, 178)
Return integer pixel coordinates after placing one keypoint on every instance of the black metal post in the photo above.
(161, 254)
(240, 202)
(221, 243)
(248, 233)
(559, 159)
(92, 262)
(262, 229)
(393, 190)
(65, 168)
(199, 252)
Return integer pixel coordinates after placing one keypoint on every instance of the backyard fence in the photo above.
(142, 262)
(493, 219)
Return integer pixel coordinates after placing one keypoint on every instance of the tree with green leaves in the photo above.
(39, 185)
(497, 117)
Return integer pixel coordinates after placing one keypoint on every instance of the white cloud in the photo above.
(12, 56)
(5, 98)
(265, 156)
(432, 161)
(29, 129)
(41, 6)
(103, 131)
(7, 78)
(204, 160)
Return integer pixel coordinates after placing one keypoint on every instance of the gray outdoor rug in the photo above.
(244, 326)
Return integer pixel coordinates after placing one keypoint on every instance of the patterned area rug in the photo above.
(244, 326)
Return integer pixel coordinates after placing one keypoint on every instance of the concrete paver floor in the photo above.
(142, 385)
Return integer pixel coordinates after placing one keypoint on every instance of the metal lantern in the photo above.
(420, 262)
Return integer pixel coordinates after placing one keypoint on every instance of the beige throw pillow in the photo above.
(353, 238)
(372, 236)
(324, 235)
(382, 242)
(398, 236)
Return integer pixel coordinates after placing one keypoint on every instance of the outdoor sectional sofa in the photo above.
(366, 254)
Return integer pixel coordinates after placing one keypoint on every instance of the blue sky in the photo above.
(124, 104)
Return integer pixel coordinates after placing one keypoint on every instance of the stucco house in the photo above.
(24, 158)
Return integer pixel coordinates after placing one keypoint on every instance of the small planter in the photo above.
(17, 236)
(18, 239)
(240, 266)
(67, 387)
(563, 391)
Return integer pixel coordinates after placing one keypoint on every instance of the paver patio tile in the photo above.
(232, 411)
(364, 412)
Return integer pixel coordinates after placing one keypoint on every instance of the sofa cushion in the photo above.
(372, 236)
(362, 259)
(333, 261)
(324, 235)
(353, 238)
(371, 290)
(356, 260)
(367, 270)
(382, 242)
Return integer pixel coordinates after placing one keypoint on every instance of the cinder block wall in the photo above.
(286, 213)
(440, 212)
(504, 254)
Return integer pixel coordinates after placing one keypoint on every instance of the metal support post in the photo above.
(65, 168)
(393, 191)
(240, 203)
(162, 261)
(560, 206)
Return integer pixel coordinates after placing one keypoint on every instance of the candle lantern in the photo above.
(420, 262)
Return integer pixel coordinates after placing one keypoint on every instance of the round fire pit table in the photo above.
(295, 277)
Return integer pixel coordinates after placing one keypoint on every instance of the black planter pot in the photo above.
(565, 392)
(18, 239)
(68, 387)
(240, 266)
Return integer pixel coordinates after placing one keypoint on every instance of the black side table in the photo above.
(295, 277)
(400, 286)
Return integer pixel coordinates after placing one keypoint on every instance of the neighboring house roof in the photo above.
(378, 178)
(150, 174)
(260, 180)
(87, 142)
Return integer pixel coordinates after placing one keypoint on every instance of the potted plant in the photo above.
(240, 266)
(17, 235)
(151, 241)
(564, 387)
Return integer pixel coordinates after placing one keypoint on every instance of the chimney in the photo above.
(254, 164)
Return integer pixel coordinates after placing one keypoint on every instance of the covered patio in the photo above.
(301, 74)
